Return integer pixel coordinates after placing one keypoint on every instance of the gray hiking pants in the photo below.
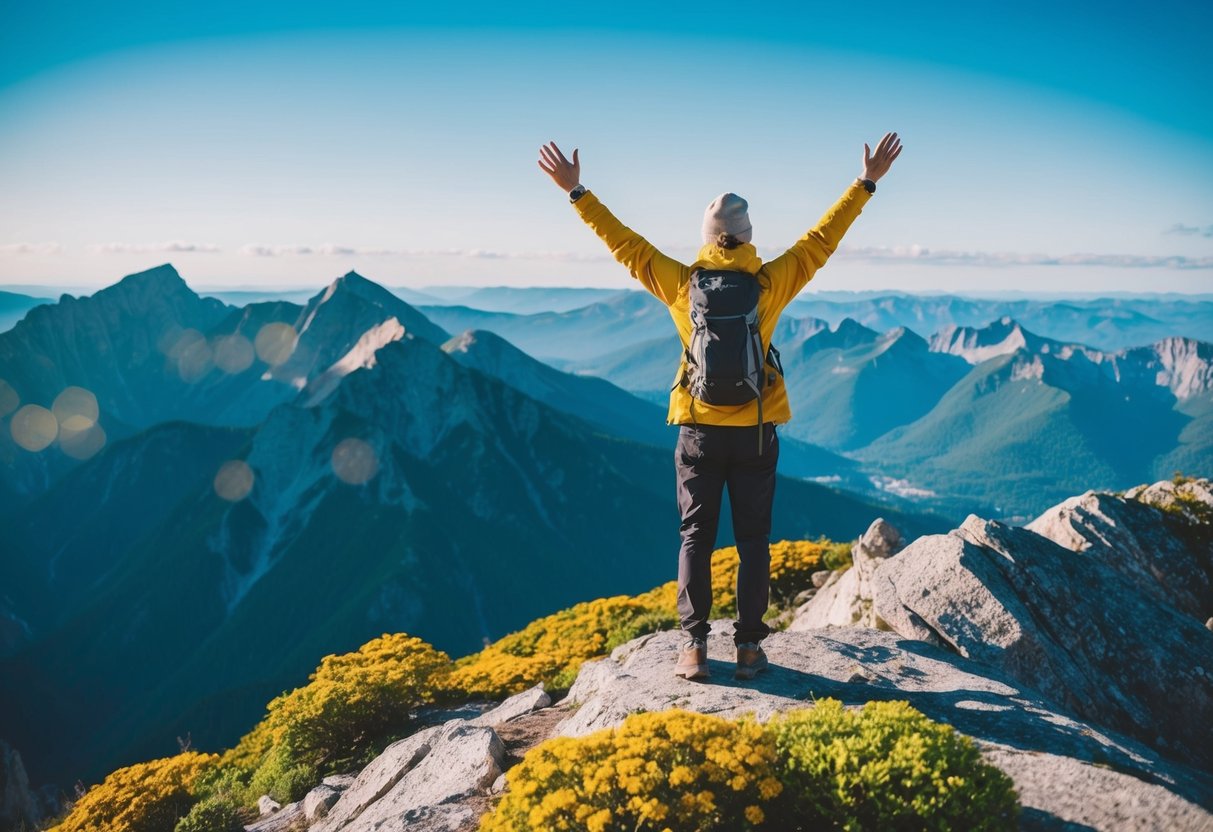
(707, 458)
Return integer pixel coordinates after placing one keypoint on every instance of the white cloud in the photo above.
(172, 246)
(921, 254)
(1190, 230)
(333, 250)
(31, 248)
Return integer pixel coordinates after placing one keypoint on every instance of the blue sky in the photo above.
(1046, 148)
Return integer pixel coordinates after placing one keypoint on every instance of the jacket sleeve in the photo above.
(661, 275)
(790, 271)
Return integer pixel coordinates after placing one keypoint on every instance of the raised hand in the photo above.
(876, 165)
(564, 173)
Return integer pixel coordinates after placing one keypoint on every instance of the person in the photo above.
(713, 451)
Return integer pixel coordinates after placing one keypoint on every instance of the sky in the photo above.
(1047, 147)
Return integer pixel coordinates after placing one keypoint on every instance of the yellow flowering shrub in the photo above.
(552, 649)
(351, 701)
(145, 797)
(886, 766)
(668, 770)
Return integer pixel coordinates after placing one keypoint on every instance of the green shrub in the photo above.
(214, 814)
(885, 767)
(283, 776)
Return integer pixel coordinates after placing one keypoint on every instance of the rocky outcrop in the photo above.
(1081, 631)
(1066, 771)
(845, 599)
(1142, 536)
(421, 782)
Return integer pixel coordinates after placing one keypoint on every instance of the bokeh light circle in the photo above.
(234, 353)
(275, 342)
(194, 359)
(82, 444)
(34, 427)
(76, 409)
(354, 461)
(234, 480)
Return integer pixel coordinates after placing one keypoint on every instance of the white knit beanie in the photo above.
(728, 213)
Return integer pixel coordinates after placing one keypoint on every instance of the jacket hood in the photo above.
(744, 258)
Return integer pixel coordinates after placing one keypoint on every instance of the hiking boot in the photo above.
(693, 660)
(750, 660)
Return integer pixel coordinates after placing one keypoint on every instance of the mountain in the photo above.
(597, 401)
(848, 385)
(66, 543)
(1108, 323)
(14, 305)
(150, 350)
(559, 337)
(1023, 428)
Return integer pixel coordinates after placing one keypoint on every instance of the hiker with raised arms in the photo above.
(728, 394)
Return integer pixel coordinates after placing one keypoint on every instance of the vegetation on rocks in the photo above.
(673, 769)
(883, 767)
(351, 703)
(145, 797)
(668, 770)
(886, 766)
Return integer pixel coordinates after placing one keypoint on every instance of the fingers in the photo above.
(575, 162)
(550, 157)
(889, 143)
(867, 153)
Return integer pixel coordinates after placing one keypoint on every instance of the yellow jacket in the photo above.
(780, 280)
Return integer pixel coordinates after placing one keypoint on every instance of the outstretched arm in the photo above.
(793, 269)
(659, 274)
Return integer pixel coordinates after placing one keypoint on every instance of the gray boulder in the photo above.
(844, 599)
(1143, 538)
(407, 786)
(379, 776)
(1076, 629)
(517, 705)
(318, 802)
(1066, 771)
(288, 818)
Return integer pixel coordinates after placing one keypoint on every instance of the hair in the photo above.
(726, 240)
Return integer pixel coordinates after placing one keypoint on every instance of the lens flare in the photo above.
(82, 444)
(354, 461)
(76, 409)
(34, 427)
(9, 400)
(234, 353)
(194, 360)
(275, 342)
(234, 480)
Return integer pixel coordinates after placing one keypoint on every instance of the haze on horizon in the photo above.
(1047, 150)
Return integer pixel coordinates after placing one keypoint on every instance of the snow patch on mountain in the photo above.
(362, 354)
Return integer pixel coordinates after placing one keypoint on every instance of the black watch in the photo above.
(868, 185)
(577, 192)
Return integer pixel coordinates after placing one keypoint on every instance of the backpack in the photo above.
(725, 363)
